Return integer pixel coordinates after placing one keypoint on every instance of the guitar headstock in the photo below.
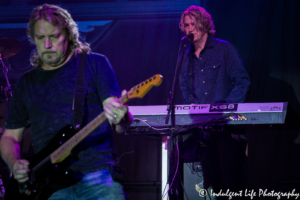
(141, 89)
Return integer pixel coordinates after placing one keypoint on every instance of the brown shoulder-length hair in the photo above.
(202, 17)
(58, 17)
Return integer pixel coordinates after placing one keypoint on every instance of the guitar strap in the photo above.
(79, 92)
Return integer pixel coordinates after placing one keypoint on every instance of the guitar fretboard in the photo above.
(64, 150)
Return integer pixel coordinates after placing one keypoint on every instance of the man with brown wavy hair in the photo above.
(202, 18)
(212, 72)
(44, 99)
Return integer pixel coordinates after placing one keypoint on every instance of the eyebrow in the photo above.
(54, 34)
(188, 23)
(37, 35)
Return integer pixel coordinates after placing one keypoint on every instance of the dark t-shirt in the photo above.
(43, 98)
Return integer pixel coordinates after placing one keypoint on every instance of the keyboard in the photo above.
(210, 114)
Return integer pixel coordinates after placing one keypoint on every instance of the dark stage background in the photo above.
(141, 38)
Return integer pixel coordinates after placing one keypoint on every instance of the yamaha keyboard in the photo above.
(209, 114)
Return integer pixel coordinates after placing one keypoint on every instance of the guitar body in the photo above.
(44, 177)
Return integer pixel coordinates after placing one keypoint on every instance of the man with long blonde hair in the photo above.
(47, 99)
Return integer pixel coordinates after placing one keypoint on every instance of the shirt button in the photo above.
(200, 58)
(205, 93)
(201, 70)
(203, 81)
(214, 66)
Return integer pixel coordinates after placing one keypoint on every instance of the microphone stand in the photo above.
(170, 103)
(171, 110)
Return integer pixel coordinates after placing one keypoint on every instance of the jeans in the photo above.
(94, 186)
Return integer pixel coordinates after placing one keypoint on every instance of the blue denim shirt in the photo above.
(217, 76)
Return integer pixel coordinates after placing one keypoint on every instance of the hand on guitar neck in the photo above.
(117, 113)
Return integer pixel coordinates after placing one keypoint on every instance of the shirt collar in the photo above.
(210, 42)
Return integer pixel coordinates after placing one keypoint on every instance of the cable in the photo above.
(200, 125)
(184, 128)
(209, 195)
(164, 191)
(168, 156)
(193, 171)
(175, 171)
(168, 161)
(144, 121)
(191, 168)
(162, 196)
(125, 153)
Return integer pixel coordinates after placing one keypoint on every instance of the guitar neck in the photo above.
(136, 92)
(64, 150)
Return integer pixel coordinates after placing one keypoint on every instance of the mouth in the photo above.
(48, 53)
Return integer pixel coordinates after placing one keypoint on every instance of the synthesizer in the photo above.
(217, 114)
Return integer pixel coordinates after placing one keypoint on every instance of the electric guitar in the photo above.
(49, 168)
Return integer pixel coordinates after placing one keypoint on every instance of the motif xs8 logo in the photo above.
(232, 107)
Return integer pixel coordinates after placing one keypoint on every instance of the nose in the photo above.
(48, 43)
(191, 29)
